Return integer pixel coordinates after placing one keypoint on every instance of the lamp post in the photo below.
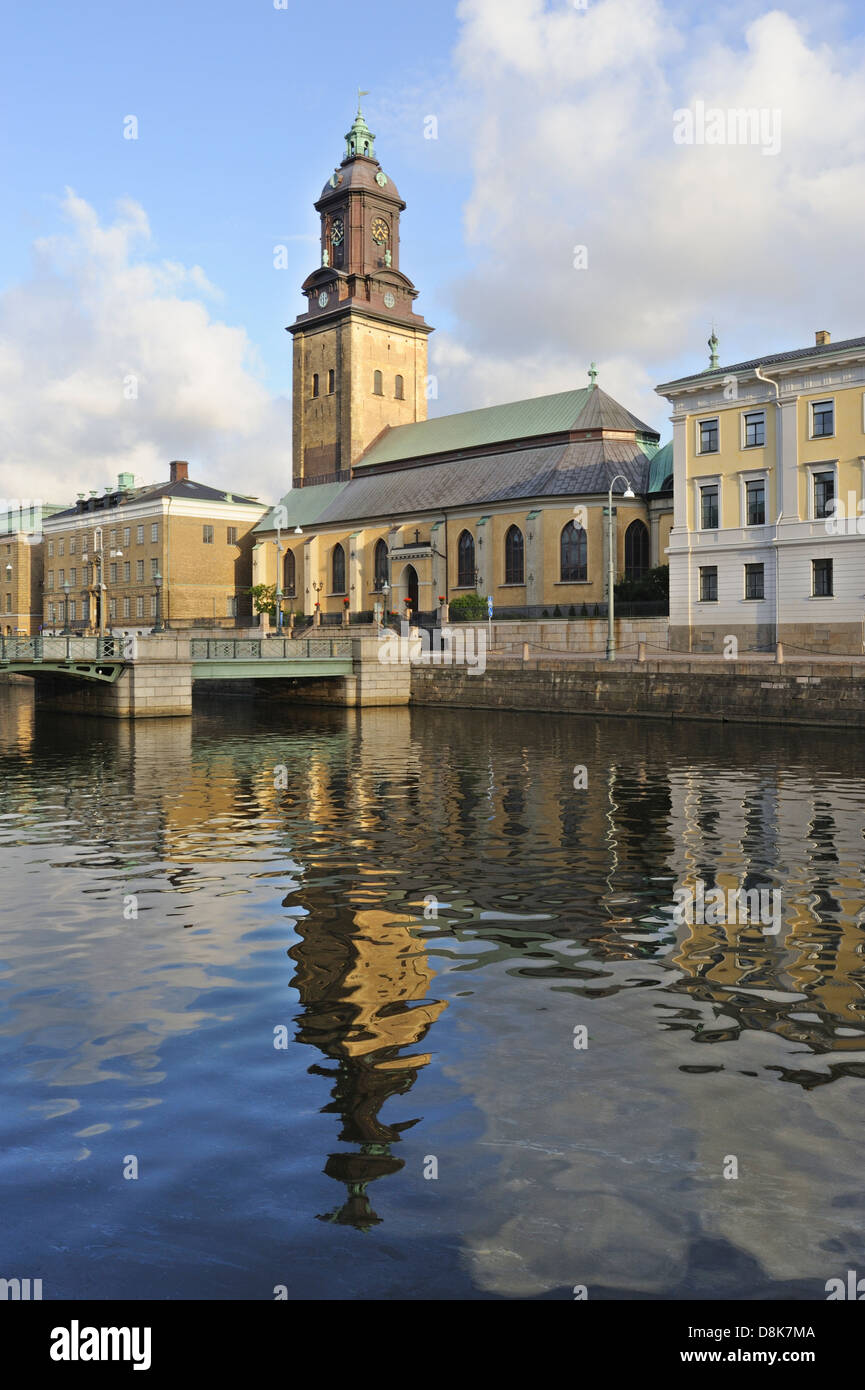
(278, 579)
(611, 571)
(67, 588)
(385, 588)
(158, 626)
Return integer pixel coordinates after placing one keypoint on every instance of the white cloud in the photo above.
(573, 116)
(100, 309)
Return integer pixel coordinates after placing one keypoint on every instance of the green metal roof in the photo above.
(661, 467)
(586, 408)
(304, 505)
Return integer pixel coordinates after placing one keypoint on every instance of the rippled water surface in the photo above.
(292, 962)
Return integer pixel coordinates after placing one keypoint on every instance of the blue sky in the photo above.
(554, 131)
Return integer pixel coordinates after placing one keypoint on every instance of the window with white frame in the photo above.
(753, 429)
(231, 606)
(139, 570)
(823, 485)
(755, 502)
(127, 606)
(127, 571)
(707, 436)
(154, 531)
(709, 494)
(754, 582)
(822, 582)
(139, 535)
(139, 606)
(126, 534)
(822, 418)
(708, 583)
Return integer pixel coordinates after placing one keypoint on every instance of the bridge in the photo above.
(153, 675)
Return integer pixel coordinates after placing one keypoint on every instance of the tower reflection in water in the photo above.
(363, 979)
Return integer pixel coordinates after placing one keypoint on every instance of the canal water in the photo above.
(396, 1004)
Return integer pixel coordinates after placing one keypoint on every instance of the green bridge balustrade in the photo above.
(269, 648)
(151, 675)
(93, 658)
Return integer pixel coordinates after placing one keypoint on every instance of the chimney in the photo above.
(823, 337)
(179, 470)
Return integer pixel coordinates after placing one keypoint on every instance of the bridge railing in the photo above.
(268, 649)
(38, 649)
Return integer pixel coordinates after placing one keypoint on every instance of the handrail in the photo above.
(269, 648)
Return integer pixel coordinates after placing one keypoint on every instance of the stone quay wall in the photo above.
(827, 694)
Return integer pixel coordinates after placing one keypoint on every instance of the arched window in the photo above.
(366, 147)
(376, 384)
(514, 573)
(399, 389)
(636, 550)
(315, 383)
(466, 560)
(338, 570)
(288, 572)
(380, 566)
(573, 551)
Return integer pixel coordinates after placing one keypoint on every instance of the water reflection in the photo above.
(438, 905)
(363, 980)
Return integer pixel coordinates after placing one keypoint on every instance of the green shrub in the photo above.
(557, 612)
(468, 606)
(572, 612)
(545, 614)
(584, 612)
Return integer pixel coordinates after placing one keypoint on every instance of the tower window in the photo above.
(399, 388)
(376, 384)
(315, 383)
(331, 378)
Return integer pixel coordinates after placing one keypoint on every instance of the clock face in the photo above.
(379, 230)
(389, 300)
(381, 179)
(322, 298)
(337, 231)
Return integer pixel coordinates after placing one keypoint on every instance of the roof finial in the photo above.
(360, 94)
(593, 374)
(713, 349)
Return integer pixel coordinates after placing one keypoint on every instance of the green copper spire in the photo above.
(360, 139)
(713, 350)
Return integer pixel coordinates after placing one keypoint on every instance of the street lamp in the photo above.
(158, 626)
(385, 588)
(611, 572)
(67, 589)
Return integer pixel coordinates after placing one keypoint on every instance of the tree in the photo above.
(263, 598)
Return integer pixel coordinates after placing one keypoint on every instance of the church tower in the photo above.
(360, 350)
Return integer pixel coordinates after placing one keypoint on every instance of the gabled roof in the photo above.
(588, 408)
(772, 358)
(579, 468)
